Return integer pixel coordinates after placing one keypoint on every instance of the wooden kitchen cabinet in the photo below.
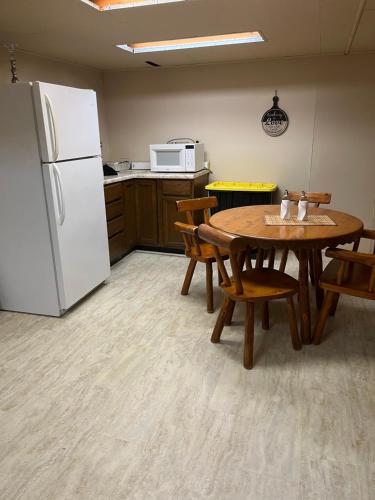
(130, 208)
(169, 237)
(170, 191)
(113, 194)
(146, 212)
(142, 212)
(116, 246)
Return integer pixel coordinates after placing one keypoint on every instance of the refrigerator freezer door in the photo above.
(67, 120)
(76, 207)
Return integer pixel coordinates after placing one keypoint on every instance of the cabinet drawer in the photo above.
(113, 192)
(115, 226)
(116, 247)
(176, 188)
(114, 209)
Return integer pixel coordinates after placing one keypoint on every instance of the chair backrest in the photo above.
(236, 247)
(347, 260)
(190, 208)
(196, 204)
(315, 198)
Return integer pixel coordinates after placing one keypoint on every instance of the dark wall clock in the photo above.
(275, 121)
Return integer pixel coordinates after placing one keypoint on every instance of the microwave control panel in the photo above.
(190, 157)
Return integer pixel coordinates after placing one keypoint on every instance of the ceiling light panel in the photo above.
(124, 4)
(193, 43)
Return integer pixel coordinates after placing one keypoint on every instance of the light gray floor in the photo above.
(126, 398)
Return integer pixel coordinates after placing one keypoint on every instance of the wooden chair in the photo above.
(316, 199)
(351, 273)
(250, 286)
(195, 249)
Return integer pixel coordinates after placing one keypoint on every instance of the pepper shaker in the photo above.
(302, 207)
(285, 206)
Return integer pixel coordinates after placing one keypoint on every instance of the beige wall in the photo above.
(330, 143)
(33, 68)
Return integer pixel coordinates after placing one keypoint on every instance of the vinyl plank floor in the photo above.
(125, 397)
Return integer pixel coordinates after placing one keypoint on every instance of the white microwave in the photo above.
(177, 157)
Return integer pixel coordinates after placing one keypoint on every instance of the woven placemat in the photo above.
(312, 220)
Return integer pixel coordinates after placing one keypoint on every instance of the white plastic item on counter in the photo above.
(285, 206)
(303, 205)
(141, 165)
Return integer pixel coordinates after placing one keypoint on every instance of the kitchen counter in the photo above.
(141, 209)
(147, 174)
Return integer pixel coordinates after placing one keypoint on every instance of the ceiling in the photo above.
(72, 31)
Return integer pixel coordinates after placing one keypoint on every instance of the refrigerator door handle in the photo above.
(60, 194)
(52, 127)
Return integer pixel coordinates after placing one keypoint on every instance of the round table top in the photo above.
(249, 222)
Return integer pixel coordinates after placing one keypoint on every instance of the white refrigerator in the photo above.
(53, 232)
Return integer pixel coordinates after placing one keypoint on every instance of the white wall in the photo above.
(33, 68)
(330, 143)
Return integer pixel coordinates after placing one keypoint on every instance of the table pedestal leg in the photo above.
(304, 302)
(318, 269)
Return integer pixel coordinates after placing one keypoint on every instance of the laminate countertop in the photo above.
(147, 174)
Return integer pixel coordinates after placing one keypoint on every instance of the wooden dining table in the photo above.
(249, 222)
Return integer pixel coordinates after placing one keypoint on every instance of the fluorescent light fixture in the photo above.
(124, 4)
(193, 43)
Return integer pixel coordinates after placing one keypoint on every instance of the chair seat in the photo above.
(260, 285)
(206, 252)
(357, 284)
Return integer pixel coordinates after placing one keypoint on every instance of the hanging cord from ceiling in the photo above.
(361, 8)
(11, 47)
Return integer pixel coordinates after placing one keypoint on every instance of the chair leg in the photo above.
(326, 307)
(209, 288)
(249, 265)
(248, 351)
(265, 316)
(241, 260)
(219, 325)
(271, 258)
(334, 305)
(188, 277)
(284, 258)
(260, 259)
(296, 340)
(230, 310)
(219, 277)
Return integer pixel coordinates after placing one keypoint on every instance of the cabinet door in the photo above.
(129, 189)
(169, 237)
(146, 212)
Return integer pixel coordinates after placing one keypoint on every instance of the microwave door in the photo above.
(171, 159)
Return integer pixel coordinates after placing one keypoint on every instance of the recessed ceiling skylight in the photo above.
(124, 4)
(192, 43)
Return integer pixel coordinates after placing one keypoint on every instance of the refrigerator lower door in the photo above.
(67, 121)
(76, 208)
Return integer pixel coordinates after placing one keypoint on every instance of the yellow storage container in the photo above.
(241, 186)
(240, 194)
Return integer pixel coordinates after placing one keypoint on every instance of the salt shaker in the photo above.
(302, 207)
(285, 206)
